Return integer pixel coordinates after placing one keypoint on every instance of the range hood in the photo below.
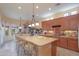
(56, 26)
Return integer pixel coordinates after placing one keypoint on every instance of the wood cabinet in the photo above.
(54, 48)
(70, 22)
(68, 43)
(67, 23)
(36, 45)
(62, 42)
(73, 22)
(73, 44)
(46, 25)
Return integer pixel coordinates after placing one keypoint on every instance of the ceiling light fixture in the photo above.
(20, 27)
(37, 24)
(37, 7)
(49, 9)
(33, 17)
(19, 7)
(33, 25)
(29, 25)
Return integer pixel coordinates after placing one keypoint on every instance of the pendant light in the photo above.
(33, 17)
(33, 23)
(20, 24)
(20, 9)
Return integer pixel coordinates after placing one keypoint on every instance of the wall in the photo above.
(13, 21)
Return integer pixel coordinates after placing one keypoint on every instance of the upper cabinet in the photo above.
(47, 25)
(70, 22)
(67, 23)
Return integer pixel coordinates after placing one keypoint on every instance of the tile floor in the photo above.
(8, 48)
(66, 52)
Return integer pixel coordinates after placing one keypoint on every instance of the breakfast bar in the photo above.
(36, 45)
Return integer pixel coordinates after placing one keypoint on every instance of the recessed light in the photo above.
(19, 7)
(49, 9)
(37, 7)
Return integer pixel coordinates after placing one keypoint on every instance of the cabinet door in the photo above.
(54, 48)
(72, 22)
(72, 44)
(65, 23)
(44, 25)
(72, 25)
(58, 42)
(47, 25)
(63, 42)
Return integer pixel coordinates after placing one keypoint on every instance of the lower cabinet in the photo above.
(68, 43)
(30, 49)
(73, 44)
(63, 42)
(54, 48)
(26, 48)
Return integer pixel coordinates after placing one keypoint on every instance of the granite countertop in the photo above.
(71, 37)
(37, 40)
(62, 36)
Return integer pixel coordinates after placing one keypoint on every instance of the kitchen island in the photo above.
(35, 45)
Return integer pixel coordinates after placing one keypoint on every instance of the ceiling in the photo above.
(11, 10)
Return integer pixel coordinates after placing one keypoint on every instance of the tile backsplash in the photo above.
(70, 33)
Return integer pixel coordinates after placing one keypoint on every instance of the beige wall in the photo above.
(13, 21)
